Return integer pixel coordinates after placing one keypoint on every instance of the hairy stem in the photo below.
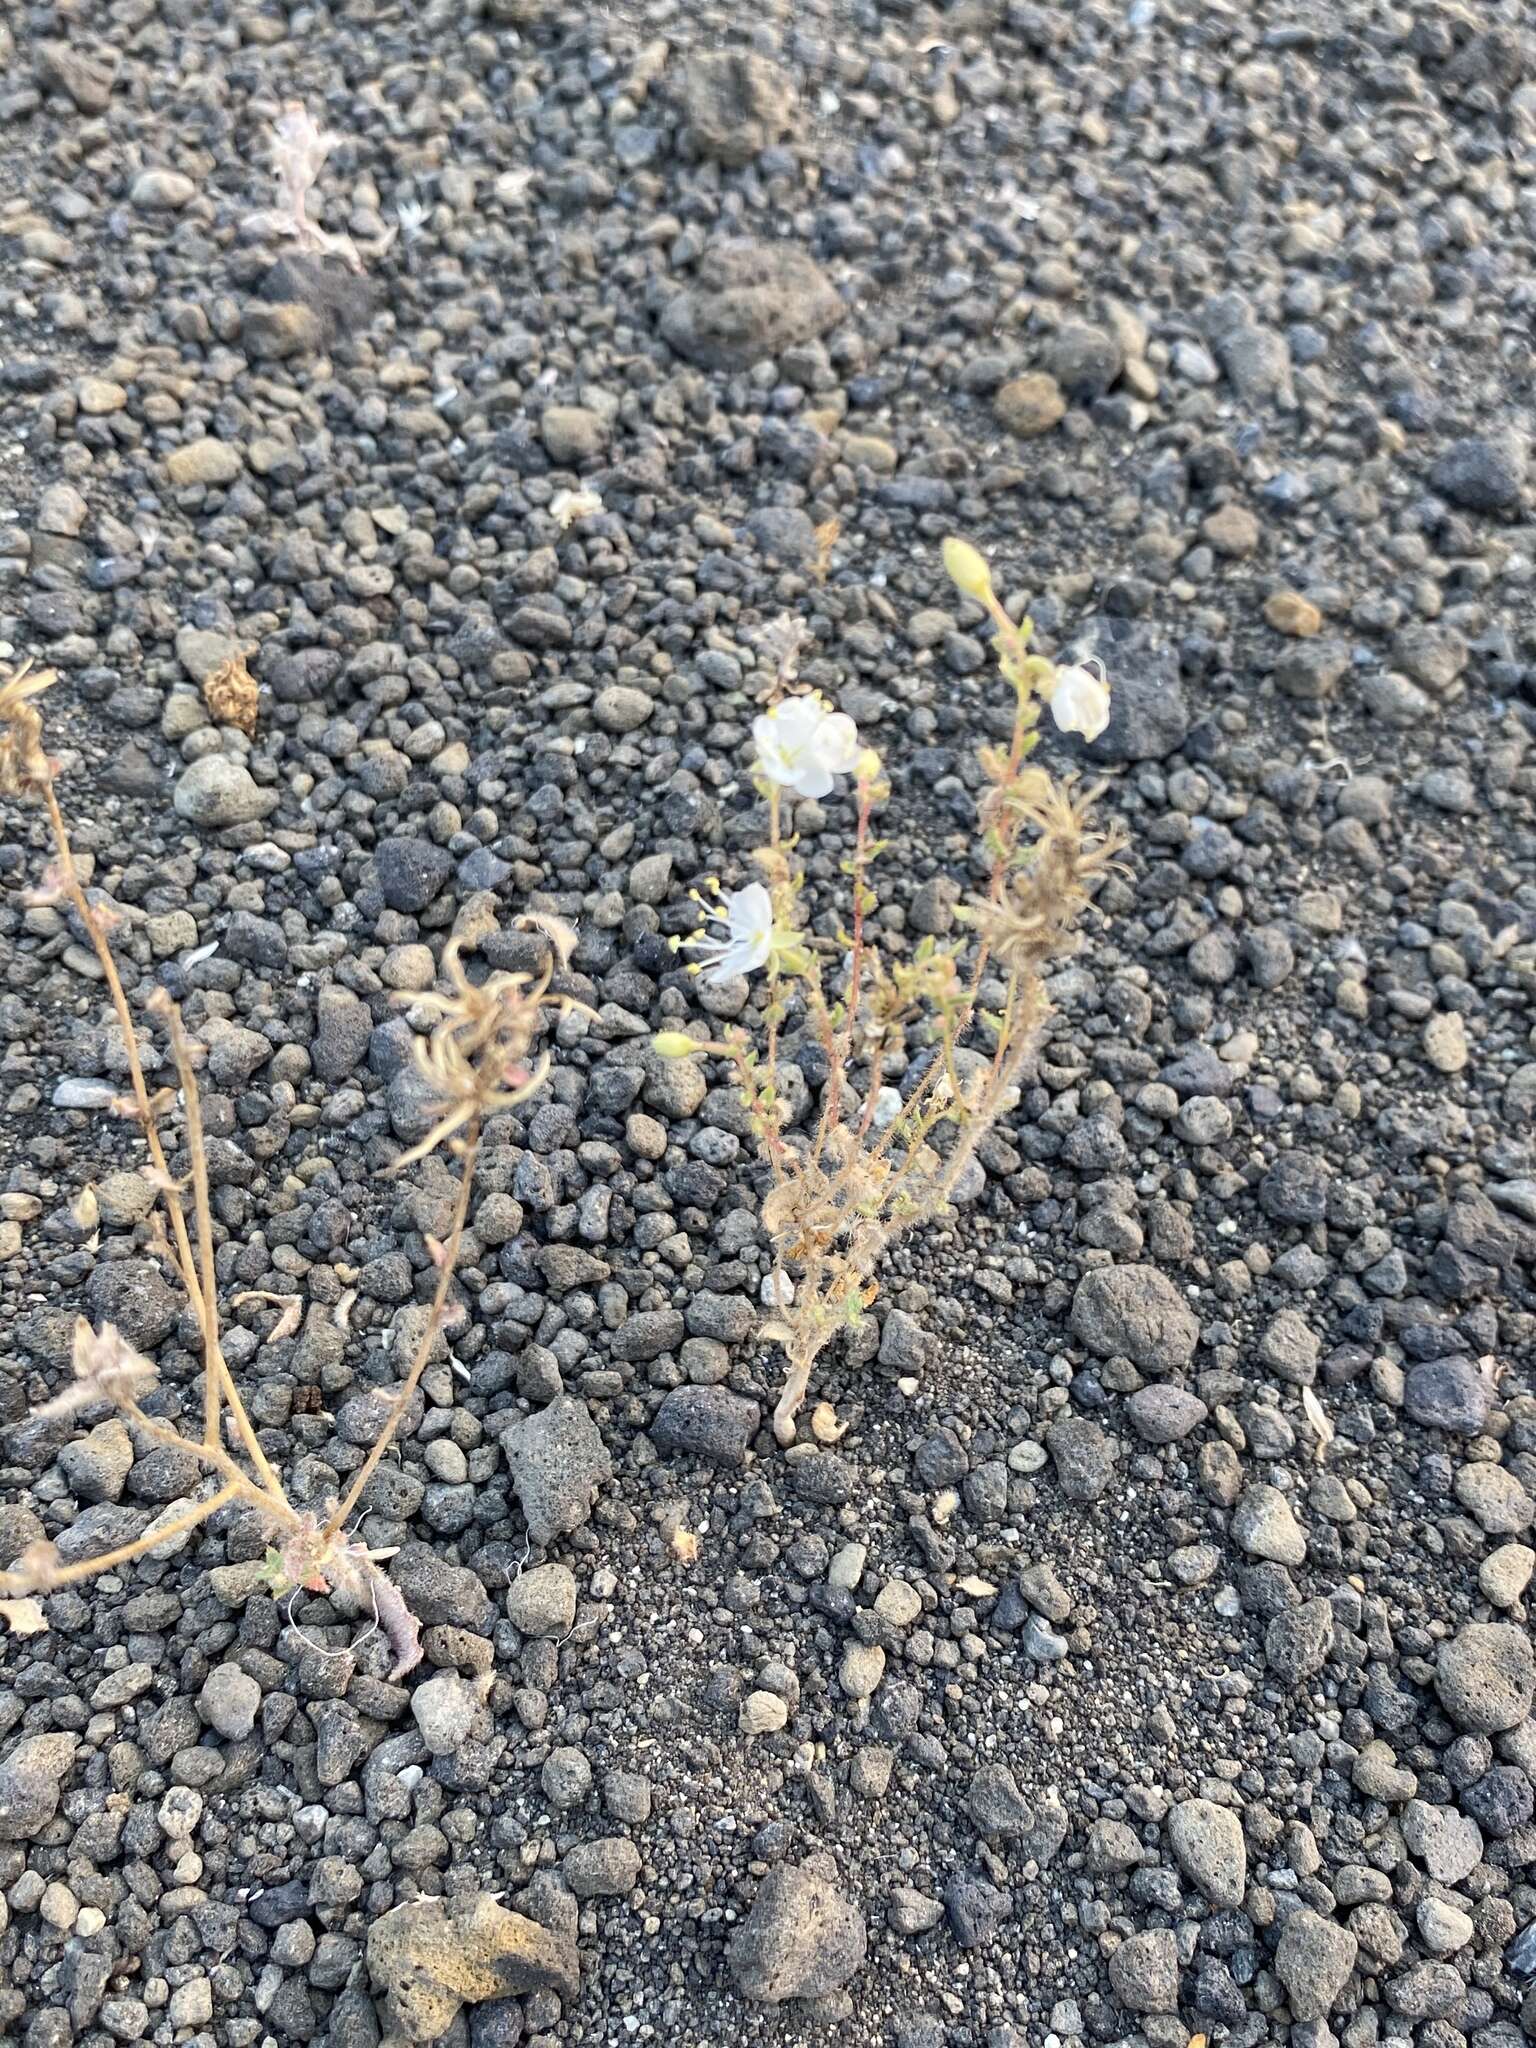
(807, 1345)
(792, 1393)
(832, 1097)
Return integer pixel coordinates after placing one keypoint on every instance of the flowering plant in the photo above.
(958, 1023)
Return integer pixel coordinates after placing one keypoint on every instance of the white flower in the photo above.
(747, 940)
(566, 507)
(412, 216)
(803, 746)
(1080, 700)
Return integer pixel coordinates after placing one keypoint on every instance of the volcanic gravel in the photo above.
(1149, 1656)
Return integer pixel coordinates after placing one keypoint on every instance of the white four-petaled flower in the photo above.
(746, 939)
(1080, 700)
(803, 746)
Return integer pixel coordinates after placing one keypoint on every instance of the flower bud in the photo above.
(967, 569)
(674, 1045)
(868, 767)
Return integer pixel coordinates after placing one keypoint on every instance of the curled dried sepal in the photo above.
(477, 1058)
(25, 768)
(107, 1368)
(290, 1305)
(560, 935)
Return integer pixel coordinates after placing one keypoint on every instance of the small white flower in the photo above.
(1080, 700)
(747, 939)
(804, 747)
(412, 216)
(566, 507)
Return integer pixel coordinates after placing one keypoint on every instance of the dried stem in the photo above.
(446, 1263)
(190, 1518)
(478, 1060)
(186, 1264)
(197, 1155)
(197, 1275)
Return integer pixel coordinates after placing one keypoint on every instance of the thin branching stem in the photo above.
(197, 1155)
(832, 1100)
(197, 1277)
(446, 1264)
(190, 1518)
(147, 1118)
(216, 1373)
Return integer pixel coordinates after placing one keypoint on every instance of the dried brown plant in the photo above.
(479, 1059)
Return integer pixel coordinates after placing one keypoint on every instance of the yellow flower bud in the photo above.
(967, 569)
(867, 768)
(674, 1045)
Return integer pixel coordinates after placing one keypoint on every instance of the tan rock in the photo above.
(1295, 616)
(869, 451)
(1231, 530)
(762, 1713)
(1445, 1042)
(1031, 404)
(98, 396)
(430, 1957)
(203, 462)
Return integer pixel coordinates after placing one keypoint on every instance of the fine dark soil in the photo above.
(1094, 1684)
